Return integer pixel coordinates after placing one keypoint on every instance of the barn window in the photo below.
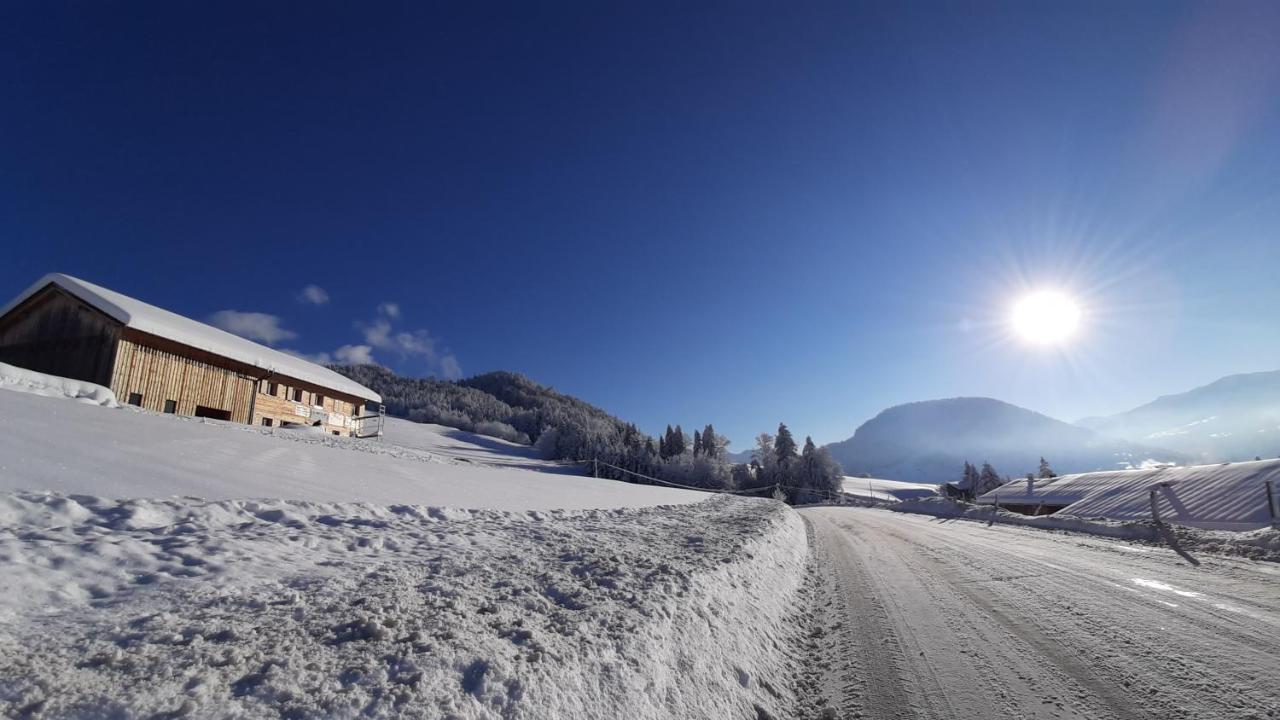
(266, 422)
(171, 406)
(297, 394)
(273, 389)
(213, 413)
(135, 399)
(319, 400)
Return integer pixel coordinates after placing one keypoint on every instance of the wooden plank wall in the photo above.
(53, 332)
(160, 375)
(280, 408)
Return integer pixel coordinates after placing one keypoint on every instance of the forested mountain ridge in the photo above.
(562, 427)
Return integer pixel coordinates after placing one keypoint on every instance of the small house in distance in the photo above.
(164, 362)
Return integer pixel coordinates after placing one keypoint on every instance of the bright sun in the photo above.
(1045, 317)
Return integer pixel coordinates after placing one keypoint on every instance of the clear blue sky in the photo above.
(730, 213)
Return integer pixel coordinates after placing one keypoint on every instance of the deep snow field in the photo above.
(50, 443)
(148, 573)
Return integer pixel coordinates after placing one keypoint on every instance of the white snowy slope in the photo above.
(289, 609)
(70, 447)
(888, 490)
(462, 446)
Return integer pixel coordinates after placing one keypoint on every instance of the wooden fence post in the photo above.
(1271, 503)
(1155, 513)
(595, 468)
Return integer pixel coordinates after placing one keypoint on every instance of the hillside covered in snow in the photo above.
(123, 452)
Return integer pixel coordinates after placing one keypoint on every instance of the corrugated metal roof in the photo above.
(1225, 495)
(148, 318)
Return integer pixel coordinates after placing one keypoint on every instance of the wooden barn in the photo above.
(164, 362)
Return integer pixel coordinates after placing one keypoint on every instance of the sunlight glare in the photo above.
(1045, 317)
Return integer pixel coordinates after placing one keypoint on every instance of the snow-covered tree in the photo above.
(988, 480)
(677, 445)
(1046, 472)
(820, 476)
(712, 444)
(784, 447)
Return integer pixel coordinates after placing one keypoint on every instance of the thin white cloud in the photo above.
(252, 325)
(320, 358)
(345, 355)
(449, 367)
(408, 344)
(354, 355)
(314, 295)
(378, 334)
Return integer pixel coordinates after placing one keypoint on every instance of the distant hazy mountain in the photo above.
(1235, 418)
(930, 441)
(742, 456)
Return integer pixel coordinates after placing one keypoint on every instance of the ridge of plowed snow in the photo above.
(271, 609)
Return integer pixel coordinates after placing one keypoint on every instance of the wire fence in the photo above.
(776, 489)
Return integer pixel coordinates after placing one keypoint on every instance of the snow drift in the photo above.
(271, 609)
(22, 380)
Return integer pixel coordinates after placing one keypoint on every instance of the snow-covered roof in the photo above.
(1228, 494)
(147, 318)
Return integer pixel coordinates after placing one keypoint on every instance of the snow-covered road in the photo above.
(926, 618)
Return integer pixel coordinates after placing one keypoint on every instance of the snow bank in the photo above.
(270, 609)
(23, 380)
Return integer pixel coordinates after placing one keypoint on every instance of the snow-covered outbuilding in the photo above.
(165, 362)
(1229, 496)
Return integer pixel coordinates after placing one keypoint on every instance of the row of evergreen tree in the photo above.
(562, 427)
(802, 475)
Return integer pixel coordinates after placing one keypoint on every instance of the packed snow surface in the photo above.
(1227, 496)
(146, 608)
(923, 617)
(124, 452)
(147, 318)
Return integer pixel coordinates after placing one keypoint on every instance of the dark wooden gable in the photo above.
(57, 333)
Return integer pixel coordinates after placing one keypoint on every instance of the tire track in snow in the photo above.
(862, 657)
(1174, 656)
(1030, 624)
(961, 663)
